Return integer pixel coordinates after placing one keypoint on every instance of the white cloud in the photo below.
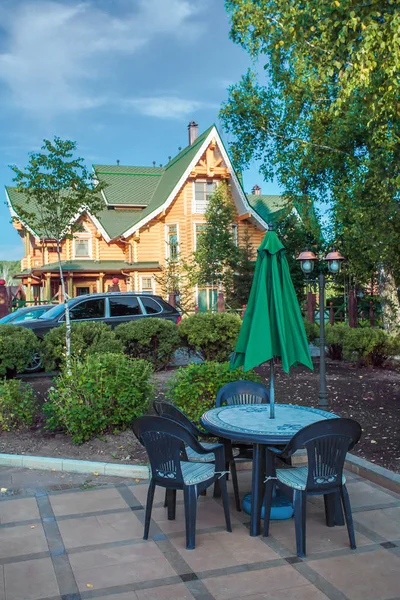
(167, 107)
(53, 55)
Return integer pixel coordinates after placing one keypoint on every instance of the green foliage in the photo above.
(152, 339)
(17, 347)
(371, 346)
(194, 388)
(238, 293)
(177, 277)
(214, 335)
(17, 405)
(216, 252)
(312, 330)
(334, 338)
(87, 338)
(101, 393)
(325, 118)
(8, 268)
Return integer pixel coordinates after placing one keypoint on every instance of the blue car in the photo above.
(25, 314)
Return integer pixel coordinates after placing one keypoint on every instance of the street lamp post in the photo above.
(307, 260)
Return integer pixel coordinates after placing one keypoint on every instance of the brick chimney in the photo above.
(193, 129)
(256, 190)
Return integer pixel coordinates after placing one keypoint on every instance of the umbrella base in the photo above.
(281, 509)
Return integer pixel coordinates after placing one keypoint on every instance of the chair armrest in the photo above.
(276, 451)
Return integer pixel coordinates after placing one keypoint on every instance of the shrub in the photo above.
(194, 388)
(86, 338)
(371, 346)
(17, 405)
(103, 392)
(17, 347)
(152, 339)
(214, 335)
(334, 338)
(312, 330)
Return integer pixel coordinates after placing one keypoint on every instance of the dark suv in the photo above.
(112, 308)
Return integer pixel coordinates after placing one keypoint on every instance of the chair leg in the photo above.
(225, 502)
(171, 503)
(231, 465)
(190, 500)
(269, 488)
(348, 516)
(330, 503)
(300, 506)
(149, 506)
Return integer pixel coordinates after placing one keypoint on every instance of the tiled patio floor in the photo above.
(78, 543)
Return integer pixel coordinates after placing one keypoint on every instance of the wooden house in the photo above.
(150, 214)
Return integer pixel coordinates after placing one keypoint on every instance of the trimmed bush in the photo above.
(312, 330)
(91, 337)
(103, 392)
(334, 338)
(194, 388)
(18, 405)
(371, 346)
(214, 335)
(152, 339)
(17, 348)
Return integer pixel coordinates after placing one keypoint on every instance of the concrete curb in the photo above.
(71, 465)
(376, 474)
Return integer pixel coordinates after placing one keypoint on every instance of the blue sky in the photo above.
(121, 78)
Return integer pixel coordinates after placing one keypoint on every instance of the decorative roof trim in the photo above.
(213, 133)
(99, 226)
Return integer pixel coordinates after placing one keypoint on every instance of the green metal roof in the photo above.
(94, 265)
(270, 208)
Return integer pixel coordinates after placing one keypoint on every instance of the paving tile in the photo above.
(221, 549)
(362, 493)
(241, 585)
(319, 537)
(363, 576)
(17, 541)
(209, 514)
(73, 503)
(87, 531)
(120, 566)
(169, 592)
(140, 492)
(2, 584)
(384, 522)
(21, 509)
(30, 580)
(304, 592)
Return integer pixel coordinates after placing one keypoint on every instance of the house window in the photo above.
(82, 247)
(198, 228)
(235, 234)
(147, 285)
(172, 242)
(202, 192)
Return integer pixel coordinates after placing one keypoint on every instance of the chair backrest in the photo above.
(242, 392)
(169, 411)
(327, 443)
(164, 441)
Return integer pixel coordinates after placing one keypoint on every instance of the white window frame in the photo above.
(194, 208)
(167, 246)
(83, 235)
(152, 282)
(235, 234)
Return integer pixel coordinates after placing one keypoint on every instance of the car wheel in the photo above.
(35, 364)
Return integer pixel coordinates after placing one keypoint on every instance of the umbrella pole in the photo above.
(272, 390)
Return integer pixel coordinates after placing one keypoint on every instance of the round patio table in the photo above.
(251, 424)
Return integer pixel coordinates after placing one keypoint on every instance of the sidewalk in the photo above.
(62, 539)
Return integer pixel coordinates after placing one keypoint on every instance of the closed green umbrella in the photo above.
(272, 325)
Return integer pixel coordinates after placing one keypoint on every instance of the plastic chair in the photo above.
(239, 392)
(165, 442)
(327, 443)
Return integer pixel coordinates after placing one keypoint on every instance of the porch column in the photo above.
(47, 286)
(101, 283)
(70, 287)
(29, 289)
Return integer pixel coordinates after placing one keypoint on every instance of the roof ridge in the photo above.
(199, 140)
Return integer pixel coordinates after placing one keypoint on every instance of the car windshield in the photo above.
(57, 310)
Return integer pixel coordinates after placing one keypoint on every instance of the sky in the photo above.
(122, 78)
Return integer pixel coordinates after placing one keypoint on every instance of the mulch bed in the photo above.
(371, 396)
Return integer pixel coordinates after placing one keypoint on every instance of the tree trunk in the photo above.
(390, 300)
(67, 319)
